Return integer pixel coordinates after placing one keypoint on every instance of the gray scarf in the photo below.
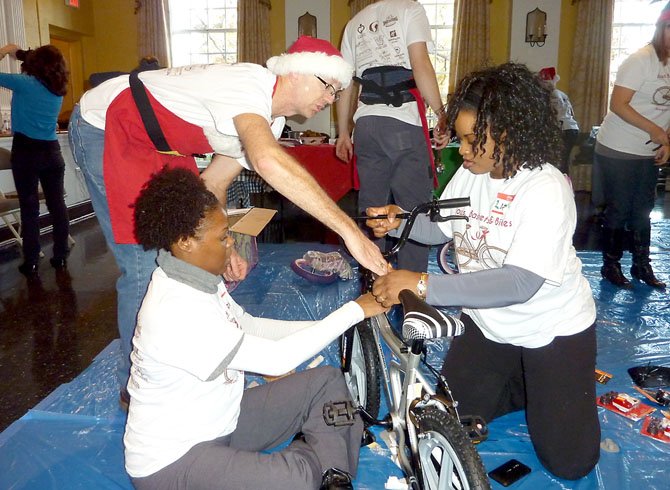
(187, 274)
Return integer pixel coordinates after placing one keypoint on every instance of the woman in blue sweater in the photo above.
(37, 96)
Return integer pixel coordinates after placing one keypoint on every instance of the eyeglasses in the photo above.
(335, 93)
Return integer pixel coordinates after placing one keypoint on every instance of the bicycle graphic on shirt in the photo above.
(469, 248)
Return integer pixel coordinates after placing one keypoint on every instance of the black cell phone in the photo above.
(509, 472)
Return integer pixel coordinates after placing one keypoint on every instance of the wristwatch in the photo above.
(422, 286)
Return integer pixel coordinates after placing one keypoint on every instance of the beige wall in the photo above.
(106, 30)
(101, 34)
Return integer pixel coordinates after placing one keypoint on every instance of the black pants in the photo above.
(555, 384)
(569, 137)
(629, 191)
(39, 161)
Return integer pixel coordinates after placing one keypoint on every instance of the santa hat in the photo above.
(665, 14)
(549, 74)
(311, 56)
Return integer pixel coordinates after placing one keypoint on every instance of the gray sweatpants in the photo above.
(271, 414)
(393, 167)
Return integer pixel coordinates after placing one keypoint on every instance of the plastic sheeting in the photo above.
(73, 438)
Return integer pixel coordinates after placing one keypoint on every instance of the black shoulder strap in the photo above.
(148, 115)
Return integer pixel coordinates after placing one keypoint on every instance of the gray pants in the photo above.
(394, 167)
(271, 414)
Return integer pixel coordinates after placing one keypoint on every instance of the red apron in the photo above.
(130, 157)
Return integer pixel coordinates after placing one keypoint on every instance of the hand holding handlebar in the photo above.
(388, 220)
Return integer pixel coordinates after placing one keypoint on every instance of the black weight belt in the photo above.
(388, 85)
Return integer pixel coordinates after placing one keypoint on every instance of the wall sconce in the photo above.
(536, 27)
(307, 25)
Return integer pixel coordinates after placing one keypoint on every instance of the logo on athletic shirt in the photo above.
(374, 27)
(502, 203)
(390, 21)
(360, 28)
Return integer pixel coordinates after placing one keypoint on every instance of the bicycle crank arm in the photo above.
(370, 420)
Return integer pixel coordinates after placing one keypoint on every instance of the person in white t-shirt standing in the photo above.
(527, 308)
(191, 423)
(631, 143)
(387, 42)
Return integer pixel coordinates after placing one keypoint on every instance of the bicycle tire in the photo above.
(440, 436)
(363, 379)
(446, 258)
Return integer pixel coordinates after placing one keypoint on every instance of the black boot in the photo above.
(58, 264)
(641, 269)
(612, 253)
(334, 479)
(28, 269)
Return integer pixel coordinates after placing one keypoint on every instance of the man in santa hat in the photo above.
(236, 111)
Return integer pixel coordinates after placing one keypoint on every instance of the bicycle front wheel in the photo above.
(363, 376)
(448, 459)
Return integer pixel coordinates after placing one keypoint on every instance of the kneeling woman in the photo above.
(530, 339)
(190, 423)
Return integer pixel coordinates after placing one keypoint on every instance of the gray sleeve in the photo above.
(492, 288)
(423, 231)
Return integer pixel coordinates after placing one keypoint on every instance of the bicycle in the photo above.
(434, 444)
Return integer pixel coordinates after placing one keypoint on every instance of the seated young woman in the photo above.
(191, 423)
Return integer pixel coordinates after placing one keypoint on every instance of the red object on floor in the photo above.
(333, 175)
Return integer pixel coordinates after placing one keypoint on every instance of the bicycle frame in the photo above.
(401, 376)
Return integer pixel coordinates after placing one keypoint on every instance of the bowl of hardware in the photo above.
(310, 137)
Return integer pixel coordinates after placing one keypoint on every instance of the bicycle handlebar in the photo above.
(431, 208)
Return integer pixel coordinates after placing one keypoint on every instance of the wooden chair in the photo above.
(10, 210)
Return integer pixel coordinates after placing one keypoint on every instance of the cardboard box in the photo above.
(245, 225)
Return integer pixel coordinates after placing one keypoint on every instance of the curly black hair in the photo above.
(515, 106)
(171, 205)
(47, 64)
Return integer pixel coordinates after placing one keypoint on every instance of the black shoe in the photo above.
(367, 438)
(645, 274)
(28, 269)
(612, 272)
(334, 479)
(58, 264)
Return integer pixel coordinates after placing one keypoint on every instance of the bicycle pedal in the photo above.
(367, 438)
(475, 427)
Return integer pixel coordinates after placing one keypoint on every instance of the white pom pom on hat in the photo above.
(312, 56)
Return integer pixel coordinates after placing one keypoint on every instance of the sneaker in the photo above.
(334, 479)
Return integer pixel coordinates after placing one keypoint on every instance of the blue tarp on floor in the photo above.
(73, 438)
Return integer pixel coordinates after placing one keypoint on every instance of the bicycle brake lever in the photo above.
(442, 219)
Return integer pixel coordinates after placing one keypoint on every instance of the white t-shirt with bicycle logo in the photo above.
(527, 221)
(650, 79)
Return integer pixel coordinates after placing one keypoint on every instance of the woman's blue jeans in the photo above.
(136, 264)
